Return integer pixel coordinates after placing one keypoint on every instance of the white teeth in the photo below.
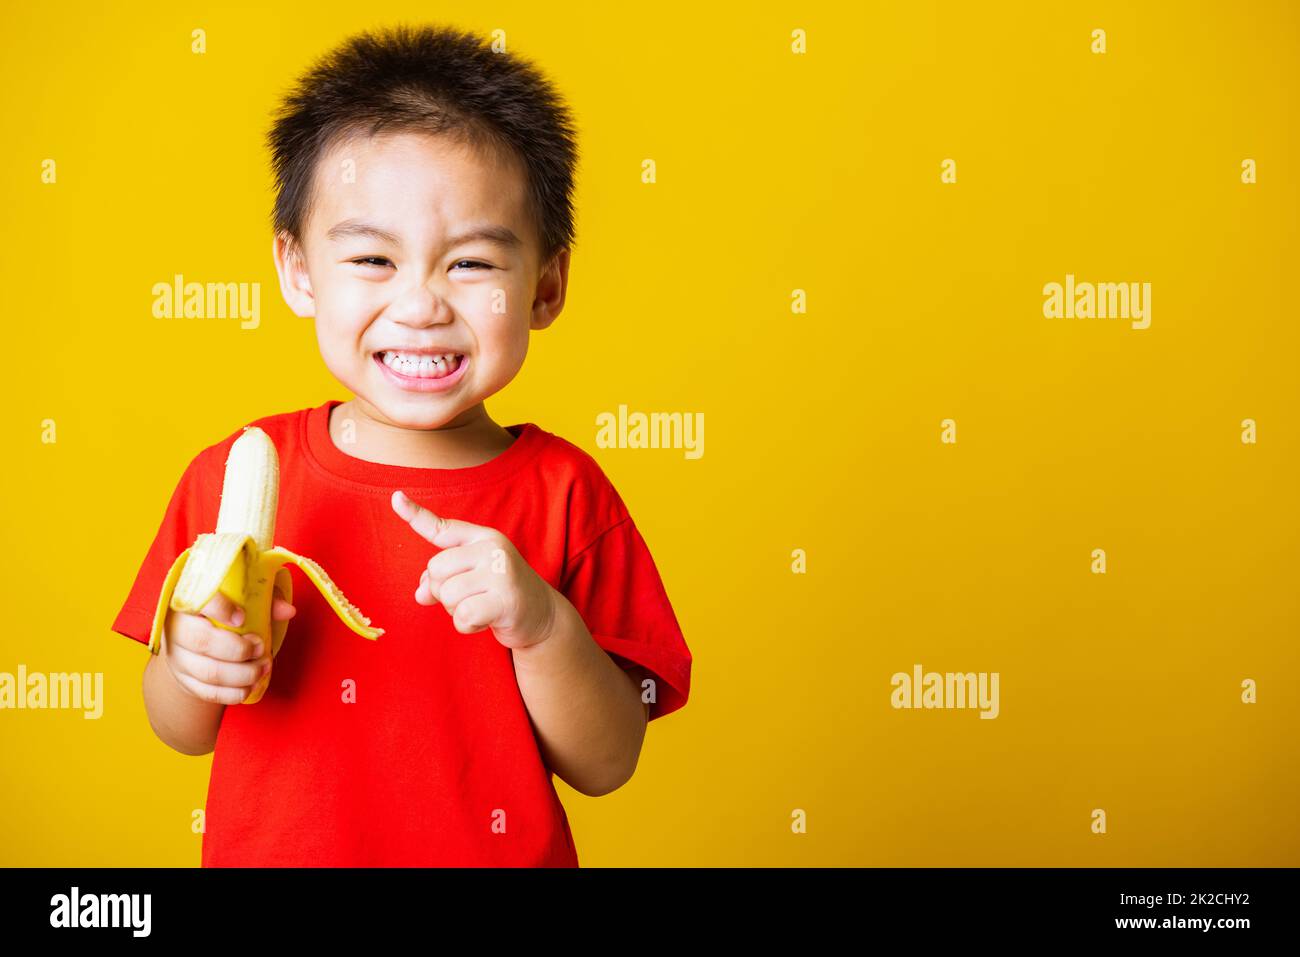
(425, 366)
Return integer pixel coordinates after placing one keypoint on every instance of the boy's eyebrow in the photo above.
(498, 235)
(502, 236)
(354, 227)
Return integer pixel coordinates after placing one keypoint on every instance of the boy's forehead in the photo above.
(417, 184)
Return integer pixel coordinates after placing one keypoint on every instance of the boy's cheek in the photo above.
(343, 320)
(341, 352)
(507, 351)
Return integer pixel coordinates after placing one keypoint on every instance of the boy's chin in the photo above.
(417, 411)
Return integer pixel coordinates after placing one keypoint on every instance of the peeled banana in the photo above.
(241, 561)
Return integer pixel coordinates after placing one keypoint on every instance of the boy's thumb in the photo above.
(222, 609)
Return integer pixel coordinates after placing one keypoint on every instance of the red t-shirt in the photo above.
(438, 746)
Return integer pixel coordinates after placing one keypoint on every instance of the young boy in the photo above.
(423, 210)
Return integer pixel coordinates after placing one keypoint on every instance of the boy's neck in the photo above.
(471, 439)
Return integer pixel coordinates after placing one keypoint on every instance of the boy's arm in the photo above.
(638, 675)
(180, 720)
(587, 711)
(200, 668)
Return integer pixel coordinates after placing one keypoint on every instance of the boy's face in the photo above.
(386, 268)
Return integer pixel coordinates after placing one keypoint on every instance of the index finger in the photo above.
(202, 637)
(443, 532)
(219, 643)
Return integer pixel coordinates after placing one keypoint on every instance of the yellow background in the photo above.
(775, 172)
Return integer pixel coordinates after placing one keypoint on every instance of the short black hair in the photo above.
(436, 80)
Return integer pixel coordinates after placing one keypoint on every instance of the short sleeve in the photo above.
(616, 588)
(181, 524)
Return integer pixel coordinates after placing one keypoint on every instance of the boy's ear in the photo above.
(295, 283)
(551, 288)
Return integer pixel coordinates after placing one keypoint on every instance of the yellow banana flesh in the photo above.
(236, 561)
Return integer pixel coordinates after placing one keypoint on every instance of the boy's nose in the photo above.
(421, 304)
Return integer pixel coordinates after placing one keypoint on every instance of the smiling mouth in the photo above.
(416, 366)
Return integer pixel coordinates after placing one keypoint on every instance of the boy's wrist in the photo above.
(556, 622)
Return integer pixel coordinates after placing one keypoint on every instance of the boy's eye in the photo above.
(382, 261)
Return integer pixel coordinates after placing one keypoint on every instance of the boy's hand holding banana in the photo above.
(238, 568)
(208, 656)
